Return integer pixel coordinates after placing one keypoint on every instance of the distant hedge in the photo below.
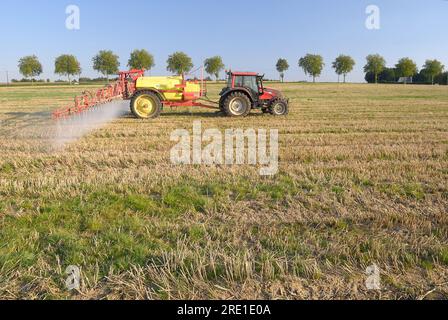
(389, 76)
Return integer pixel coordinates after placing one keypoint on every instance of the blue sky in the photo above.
(248, 34)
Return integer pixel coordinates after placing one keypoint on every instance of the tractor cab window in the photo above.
(260, 85)
(238, 81)
(229, 81)
(251, 82)
(247, 81)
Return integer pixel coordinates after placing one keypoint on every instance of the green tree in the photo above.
(282, 66)
(406, 68)
(442, 78)
(343, 65)
(433, 68)
(179, 63)
(106, 62)
(387, 75)
(422, 77)
(67, 65)
(312, 64)
(369, 77)
(213, 66)
(30, 66)
(141, 59)
(375, 65)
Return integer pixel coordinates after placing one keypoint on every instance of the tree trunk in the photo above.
(376, 77)
(314, 79)
(344, 77)
(69, 82)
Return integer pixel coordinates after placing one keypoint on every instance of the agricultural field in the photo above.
(362, 180)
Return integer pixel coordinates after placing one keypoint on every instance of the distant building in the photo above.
(405, 80)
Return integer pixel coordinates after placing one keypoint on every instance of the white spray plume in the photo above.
(75, 127)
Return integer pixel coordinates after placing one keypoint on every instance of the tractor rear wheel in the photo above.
(279, 108)
(146, 105)
(237, 104)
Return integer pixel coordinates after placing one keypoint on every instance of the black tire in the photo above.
(279, 107)
(221, 104)
(139, 106)
(237, 104)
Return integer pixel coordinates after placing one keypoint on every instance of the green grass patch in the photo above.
(409, 190)
(443, 256)
(104, 228)
(284, 186)
(184, 197)
(7, 168)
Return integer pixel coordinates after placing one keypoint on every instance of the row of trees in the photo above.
(107, 63)
(431, 72)
(313, 64)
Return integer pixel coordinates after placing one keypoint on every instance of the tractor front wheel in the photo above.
(146, 105)
(279, 108)
(237, 104)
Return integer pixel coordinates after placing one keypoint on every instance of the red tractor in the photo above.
(245, 91)
(148, 95)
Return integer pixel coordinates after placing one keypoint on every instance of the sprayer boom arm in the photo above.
(123, 88)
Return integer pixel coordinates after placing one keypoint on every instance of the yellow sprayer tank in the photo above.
(171, 87)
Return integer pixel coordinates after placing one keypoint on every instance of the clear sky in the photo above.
(248, 34)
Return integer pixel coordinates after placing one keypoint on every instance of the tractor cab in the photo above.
(249, 80)
(245, 91)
